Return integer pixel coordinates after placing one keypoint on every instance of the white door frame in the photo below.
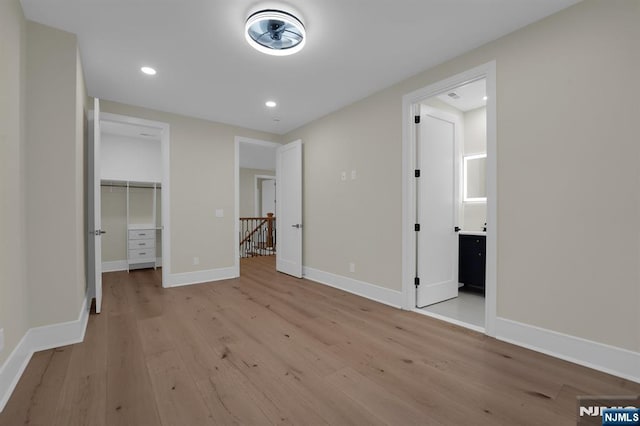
(165, 139)
(409, 100)
(236, 185)
(258, 208)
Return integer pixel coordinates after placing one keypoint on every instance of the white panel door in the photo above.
(289, 209)
(437, 260)
(94, 245)
(268, 197)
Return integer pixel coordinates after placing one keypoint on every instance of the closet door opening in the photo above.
(133, 182)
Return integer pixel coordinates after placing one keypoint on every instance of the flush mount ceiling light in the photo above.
(148, 70)
(271, 104)
(275, 32)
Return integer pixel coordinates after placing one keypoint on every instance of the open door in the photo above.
(289, 208)
(437, 201)
(94, 243)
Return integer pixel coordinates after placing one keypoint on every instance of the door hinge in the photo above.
(417, 119)
(416, 281)
(416, 227)
(417, 172)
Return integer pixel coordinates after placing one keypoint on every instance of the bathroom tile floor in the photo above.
(467, 307)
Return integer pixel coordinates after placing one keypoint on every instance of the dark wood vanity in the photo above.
(472, 250)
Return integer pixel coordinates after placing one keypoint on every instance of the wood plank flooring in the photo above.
(271, 349)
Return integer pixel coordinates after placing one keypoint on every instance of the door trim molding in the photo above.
(487, 71)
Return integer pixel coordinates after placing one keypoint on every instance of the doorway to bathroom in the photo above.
(450, 206)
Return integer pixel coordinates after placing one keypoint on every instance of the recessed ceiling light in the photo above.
(484, 98)
(275, 32)
(148, 70)
(271, 104)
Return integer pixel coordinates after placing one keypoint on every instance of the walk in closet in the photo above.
(131, 193)
(131, 214)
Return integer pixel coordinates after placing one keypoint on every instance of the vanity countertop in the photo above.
(477, 233)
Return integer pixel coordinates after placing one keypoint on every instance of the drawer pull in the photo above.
(142, 233)
(142, 254)
(142, 244)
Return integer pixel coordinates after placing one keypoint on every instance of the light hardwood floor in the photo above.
(271, 349)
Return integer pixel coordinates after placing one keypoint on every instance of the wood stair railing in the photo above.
(257, 236)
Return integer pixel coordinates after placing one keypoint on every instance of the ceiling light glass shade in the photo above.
(148, 70)
(275, 32)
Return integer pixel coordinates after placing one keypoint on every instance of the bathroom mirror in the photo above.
(475, 188)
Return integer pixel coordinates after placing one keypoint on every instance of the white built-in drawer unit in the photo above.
(141, 234)
(142, 246)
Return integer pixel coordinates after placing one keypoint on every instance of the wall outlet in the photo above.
(352, 267)
(196, 260)
(353, 175)
(343, 176)
(1, 339)
(219, 213)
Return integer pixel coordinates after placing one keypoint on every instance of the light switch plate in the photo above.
(353, 175)
(343, 176)
(219, 213)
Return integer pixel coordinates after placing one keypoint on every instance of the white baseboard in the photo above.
(361, 288)
(197, 277)
(122, 265)
(114, 266)
(40, 339)
(609, 359)
(13, 368)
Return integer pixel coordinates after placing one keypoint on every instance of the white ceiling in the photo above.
(467, 97)
(206, 69)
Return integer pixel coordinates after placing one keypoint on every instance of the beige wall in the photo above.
(55, 176)
(114, 222)
(561, 266)
(474, 215)
(354, 220)
(43, 134)
(202, 172)
(248, 190)
(14, 318)
(475, 131)
(114, 219)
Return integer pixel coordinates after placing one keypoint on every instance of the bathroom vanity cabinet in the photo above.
(472, 251)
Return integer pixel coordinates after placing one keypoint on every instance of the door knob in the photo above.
(99, 232)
